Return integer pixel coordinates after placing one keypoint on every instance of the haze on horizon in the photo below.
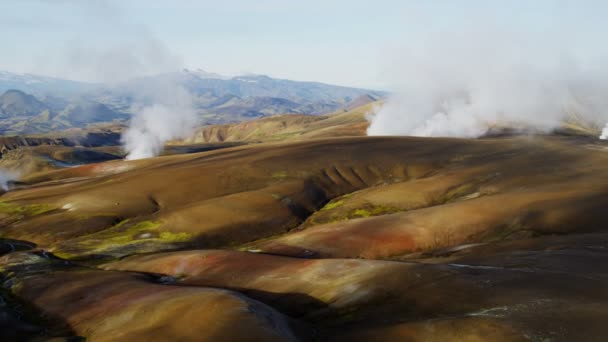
(351, 43)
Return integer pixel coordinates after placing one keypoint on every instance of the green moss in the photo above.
(119, 237)
(143, 225)
(348, 214)
(336, 202)
(373, 211)
(332, 205)
(121, 223)
(362, 213)
(24, 210)
(174, 237)
(279, 175)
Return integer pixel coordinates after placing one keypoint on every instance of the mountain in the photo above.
(43, 85)
(245, 86)
(205, 74)
(24, 113)
(85, 113)
(255, 106)
(220, 99)
(361, 100)
(217, 99)
(15, 103)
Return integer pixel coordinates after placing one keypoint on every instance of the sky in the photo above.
(345, 42)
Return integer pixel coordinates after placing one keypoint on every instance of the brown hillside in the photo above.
(289, 127)
(352, 238)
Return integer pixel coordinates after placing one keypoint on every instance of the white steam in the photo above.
(604, 135)
(461, 85)
(124, 55)
(171, 116)
(6, 178)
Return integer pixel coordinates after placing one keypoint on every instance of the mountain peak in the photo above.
(15, 103)
(14, 92)
(14, 95)
(42, 85)
(201, 73)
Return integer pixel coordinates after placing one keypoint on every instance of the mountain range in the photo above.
(34, 104)
(24, 113)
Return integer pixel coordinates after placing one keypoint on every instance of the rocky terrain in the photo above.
(312, 238)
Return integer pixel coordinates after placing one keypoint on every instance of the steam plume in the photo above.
(123, 55)
(170, 116)
(6, 177)
(460, 85)
(604, 135)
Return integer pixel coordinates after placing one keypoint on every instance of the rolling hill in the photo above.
(351, 238)
(300, 227)
(289, 127)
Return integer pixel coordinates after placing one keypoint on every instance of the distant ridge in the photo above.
(216, 98)
(15, 103)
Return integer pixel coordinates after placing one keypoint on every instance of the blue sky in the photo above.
(341, 42)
